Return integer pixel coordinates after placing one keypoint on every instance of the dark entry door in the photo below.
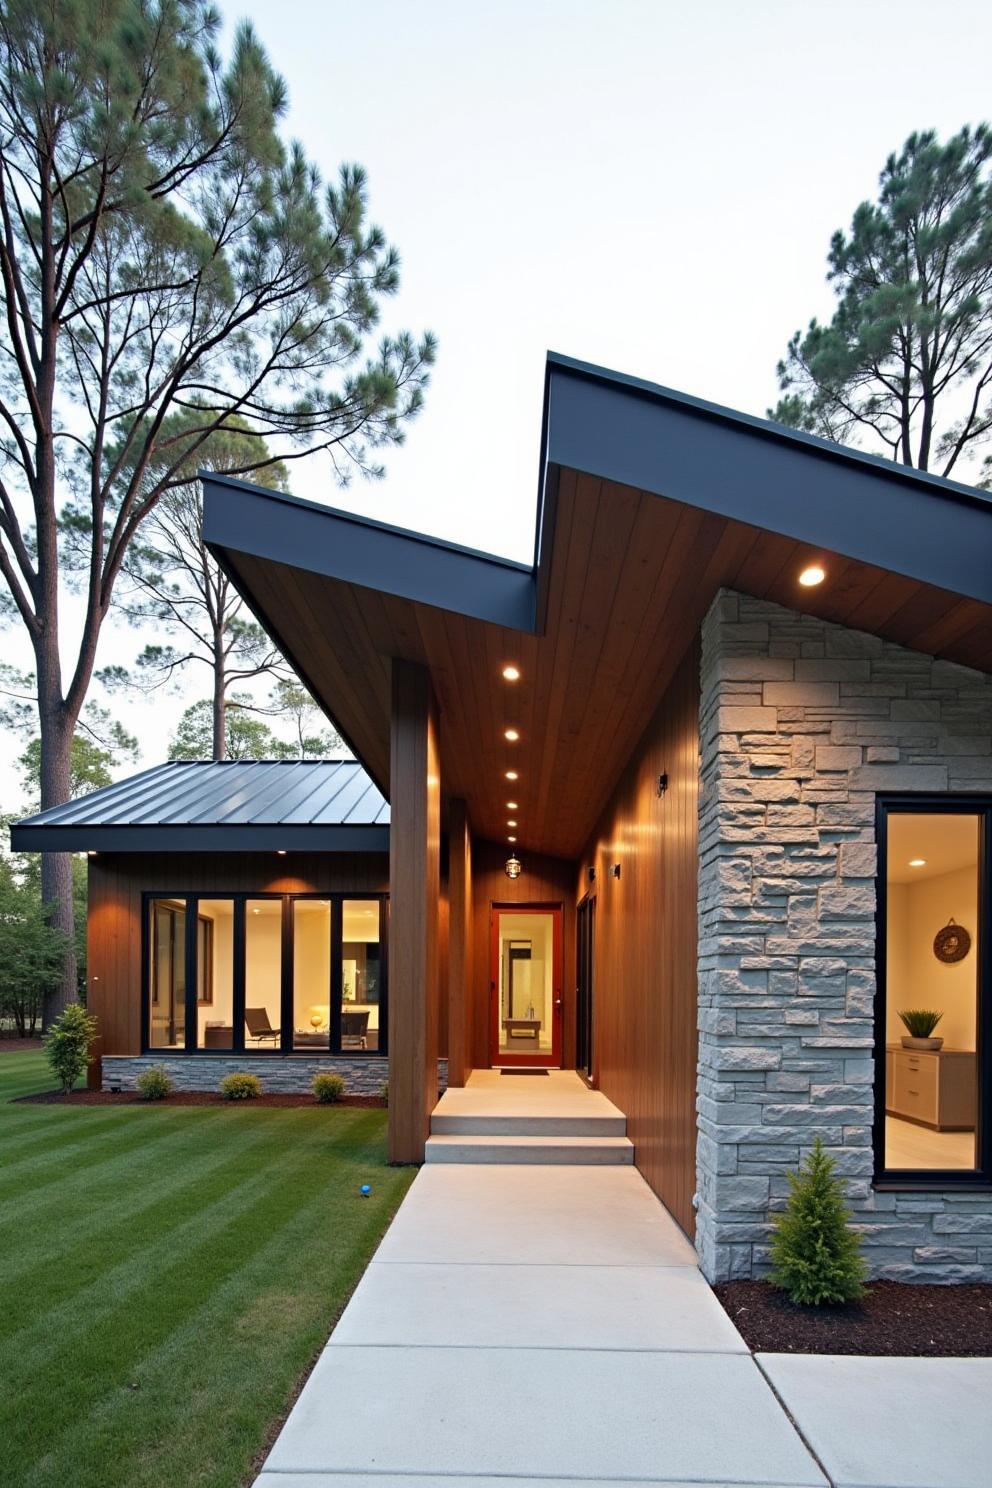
(585, 921)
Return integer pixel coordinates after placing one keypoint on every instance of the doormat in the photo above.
(523, 1072)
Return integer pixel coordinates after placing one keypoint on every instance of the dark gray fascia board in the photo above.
(752, 470)
(242, 518)
(199, 839)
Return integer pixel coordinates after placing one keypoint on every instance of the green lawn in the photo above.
(167, 1274)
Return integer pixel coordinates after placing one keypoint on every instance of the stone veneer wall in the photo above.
(802, 722)
(279, 1076)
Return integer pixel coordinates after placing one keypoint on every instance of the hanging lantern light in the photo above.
(513, 866)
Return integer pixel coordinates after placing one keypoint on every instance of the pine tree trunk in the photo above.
(219, 710)
(56, 868)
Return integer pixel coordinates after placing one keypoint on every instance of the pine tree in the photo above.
(816, 1255)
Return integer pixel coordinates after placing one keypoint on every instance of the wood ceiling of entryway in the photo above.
(631, 577)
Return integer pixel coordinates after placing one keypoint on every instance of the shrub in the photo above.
(920, 1022)
(240, 1087)
(816, 1256)
(155, 1083)
(67, 1045)
(384, 1092)
(328, 1089)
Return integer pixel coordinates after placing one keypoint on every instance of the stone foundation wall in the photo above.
(284, 1075)
(802, 722)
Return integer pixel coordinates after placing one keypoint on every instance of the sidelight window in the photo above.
(933, 1018)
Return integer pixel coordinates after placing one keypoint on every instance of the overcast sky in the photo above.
(650, 186)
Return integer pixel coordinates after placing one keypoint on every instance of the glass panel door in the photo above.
(215, 974)
(361, 974)
(311, 974)
(526, 986)
(167, 979)
(263, 973)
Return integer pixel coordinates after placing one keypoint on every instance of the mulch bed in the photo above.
(183, 1098)
(896, 1318)
(19, 1045)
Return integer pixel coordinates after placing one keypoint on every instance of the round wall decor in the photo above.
(952, 943)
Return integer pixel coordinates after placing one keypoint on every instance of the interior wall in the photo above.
(645, 994)
(542, 880)
(914, 976)
(116, 883)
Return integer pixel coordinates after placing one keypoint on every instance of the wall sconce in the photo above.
(615, 871)
(512, 869)
(592, 874)
(662, 784)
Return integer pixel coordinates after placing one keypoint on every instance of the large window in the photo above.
(267, 973)
(934, 1014)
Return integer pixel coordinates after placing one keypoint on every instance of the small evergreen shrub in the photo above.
(67, 1045)
(240, 1087)
(920, 1022)
(154, 1083)
(384, 1092)
(816, 1255)
(327, 1089)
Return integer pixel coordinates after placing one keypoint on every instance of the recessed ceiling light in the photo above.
(281, 852)
(917, 862)
(810, 577)
(511, 839)
(511, 673)
(511, 735)
(512, 775)
(511, 805)
(510, 822)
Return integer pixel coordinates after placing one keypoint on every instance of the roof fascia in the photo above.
(241, 518)
(750, 470)
(200, 839)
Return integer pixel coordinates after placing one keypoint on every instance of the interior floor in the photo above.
(910, 1146)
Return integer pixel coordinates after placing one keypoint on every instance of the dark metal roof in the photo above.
(236, 805)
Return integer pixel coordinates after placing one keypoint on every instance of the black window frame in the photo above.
(240, 898)
(929, 1180)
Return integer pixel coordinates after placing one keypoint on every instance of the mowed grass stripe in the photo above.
(65, 1223)
(28, 1076)
(88, 1288)
(244, 1321)
(203, 1263)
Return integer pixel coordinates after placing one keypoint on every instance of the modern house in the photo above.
(697, 803)
(237, 912)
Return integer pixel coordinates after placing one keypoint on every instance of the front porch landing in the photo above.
(509, 1117)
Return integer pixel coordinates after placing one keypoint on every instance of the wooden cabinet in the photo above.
(934, 1088)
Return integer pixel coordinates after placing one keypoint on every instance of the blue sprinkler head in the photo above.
(365, 1190)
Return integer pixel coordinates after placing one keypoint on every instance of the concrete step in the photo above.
(555, 1151)
(462, 1124)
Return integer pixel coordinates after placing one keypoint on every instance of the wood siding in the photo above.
(542, 881)
(415, 914)
(116, 884)
(645, 994)
(460, 1001)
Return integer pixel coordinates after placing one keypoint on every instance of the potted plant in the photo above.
(920, 1024)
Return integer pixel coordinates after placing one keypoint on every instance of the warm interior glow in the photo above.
(511, 673)
(812, 576)
(512, 735)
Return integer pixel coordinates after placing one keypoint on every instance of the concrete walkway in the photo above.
(526, 1324)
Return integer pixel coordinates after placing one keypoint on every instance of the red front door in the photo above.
(525, 984)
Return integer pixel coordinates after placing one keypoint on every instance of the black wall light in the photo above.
(662, 783)
(615, 871)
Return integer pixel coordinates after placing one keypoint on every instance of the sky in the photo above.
(648, 186)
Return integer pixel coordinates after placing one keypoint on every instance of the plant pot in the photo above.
(921, 1043)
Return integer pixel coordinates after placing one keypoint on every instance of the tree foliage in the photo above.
(816, 1256)
(31, 951)
(906, 360)
(163, 251)
(246, 735)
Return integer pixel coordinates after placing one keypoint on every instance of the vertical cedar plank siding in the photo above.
(542, 881)
(459, 1001)
(644, 1007)
(117, 881)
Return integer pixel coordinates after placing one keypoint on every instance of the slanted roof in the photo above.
(649, 502)
(232, 806)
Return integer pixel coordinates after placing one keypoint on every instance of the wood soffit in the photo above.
(630, 577)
